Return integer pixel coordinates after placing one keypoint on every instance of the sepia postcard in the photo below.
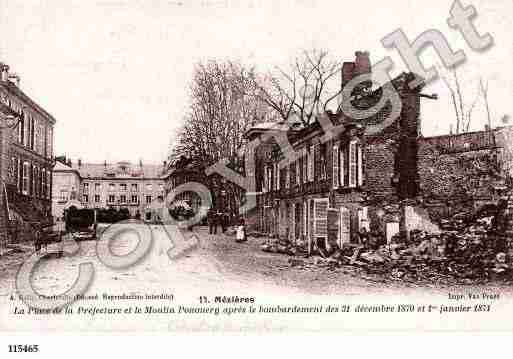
(255, 166)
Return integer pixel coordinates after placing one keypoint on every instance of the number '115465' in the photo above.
(23, 348)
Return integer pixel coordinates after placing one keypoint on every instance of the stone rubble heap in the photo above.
(471, 249)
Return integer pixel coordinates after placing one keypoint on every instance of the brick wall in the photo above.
(503, 138)
(379, 167)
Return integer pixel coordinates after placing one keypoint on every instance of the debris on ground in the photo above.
(231, 231)
(256, 234)
(469, 249)
(283, 247)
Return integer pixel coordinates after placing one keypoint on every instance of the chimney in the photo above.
(69, 162)
(362, 63)
(79, 162)
(105, 164)
(14, 78)
(347, 72)
(165, 164)
(4, 72)
(140, 163)
(360, 66)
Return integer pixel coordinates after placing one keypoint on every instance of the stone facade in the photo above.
(119, 185)
(27, 159)
(460, 173)
(66, 187)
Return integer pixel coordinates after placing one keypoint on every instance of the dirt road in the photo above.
(207, 266)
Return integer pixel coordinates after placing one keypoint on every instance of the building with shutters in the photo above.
(332, 189)
(386, 181)
(27, 158)
(121, 185)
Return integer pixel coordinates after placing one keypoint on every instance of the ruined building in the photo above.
(387, 180)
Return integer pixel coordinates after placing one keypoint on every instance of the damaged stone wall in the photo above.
(460, 171)
(504, 142)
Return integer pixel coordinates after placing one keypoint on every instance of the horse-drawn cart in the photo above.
(45, 235)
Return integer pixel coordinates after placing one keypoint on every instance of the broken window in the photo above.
(353, 164)
(311, 166)
(43, 182)
(305, 165)
(322, 161)
(34, 181)
(292, 176)
(335, 166)
(278, 176)
(344, 233)
(298, 171)
(342, 167)
(264, 180)
(363, 219)
(269, 178)
(305, 218)
(360, 164)
(48, 184)
(275, 176)
(321, 217)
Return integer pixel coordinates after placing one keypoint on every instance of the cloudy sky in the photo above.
(115, 74)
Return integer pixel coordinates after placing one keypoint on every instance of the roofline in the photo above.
(461, 134)
(256, 129)
(19, 92)
(314, 126)
(122, 178)
(66, 170)
(117, 163)
(105, 178)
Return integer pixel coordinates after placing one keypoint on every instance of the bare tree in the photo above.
(224, 105)
(304, 90)
(462, 111)
(484, 92)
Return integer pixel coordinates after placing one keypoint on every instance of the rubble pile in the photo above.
(468, 250)
(256, 234)
(283, 246)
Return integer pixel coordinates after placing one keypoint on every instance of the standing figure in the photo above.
(38, 238)
(241, 232)
(224, 221)
(212, 222)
